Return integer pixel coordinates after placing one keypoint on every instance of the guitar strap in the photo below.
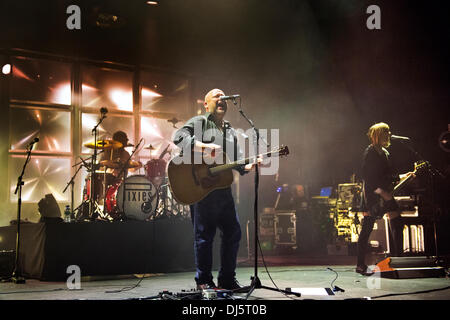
(227, 126)
(363, 203)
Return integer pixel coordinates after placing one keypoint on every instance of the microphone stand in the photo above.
(255, 281)
(122, 172)
(94, 160)
(71, 183)
(17, 273)
(433, 173)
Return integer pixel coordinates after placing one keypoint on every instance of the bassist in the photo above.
(378, 181)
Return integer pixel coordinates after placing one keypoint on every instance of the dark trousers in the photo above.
(217, 210)
(396, 230)
(363, 240)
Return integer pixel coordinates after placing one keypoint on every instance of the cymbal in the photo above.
(104, 144)
(150, 147)
(118, 164)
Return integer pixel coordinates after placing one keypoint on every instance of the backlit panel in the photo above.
(164, 93)
(52, 127)
(104, 87)
(41, 80)
(157, 133)
(42, 176)
(106, 129)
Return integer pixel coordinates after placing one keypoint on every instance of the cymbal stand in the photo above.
(122, 172)
(87, 202)
(93, 212)
(71, 183)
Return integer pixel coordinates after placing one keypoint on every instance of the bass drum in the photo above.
(136, 198)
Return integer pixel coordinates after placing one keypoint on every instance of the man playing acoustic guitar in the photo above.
(210, 134)
(378, 185)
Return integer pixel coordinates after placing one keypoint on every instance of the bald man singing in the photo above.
(210, 133)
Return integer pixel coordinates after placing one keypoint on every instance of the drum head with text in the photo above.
(137, 198)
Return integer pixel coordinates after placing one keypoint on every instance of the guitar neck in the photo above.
(235, 164)
(401, 184)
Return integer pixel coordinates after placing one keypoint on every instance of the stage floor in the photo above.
(304, 276)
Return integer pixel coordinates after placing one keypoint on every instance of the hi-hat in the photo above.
(104, 144)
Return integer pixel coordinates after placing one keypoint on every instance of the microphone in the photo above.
(394, 137)
(229, 97)
(33, 142)
(103, 111)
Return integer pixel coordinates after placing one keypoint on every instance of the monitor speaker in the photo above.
(409, 267)
(48, 207)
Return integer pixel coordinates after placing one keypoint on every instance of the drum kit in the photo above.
(122, 197)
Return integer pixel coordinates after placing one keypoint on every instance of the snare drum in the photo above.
(136, 197)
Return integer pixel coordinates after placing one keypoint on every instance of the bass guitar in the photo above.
(386, 201)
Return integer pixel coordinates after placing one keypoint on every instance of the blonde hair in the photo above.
(376, 131)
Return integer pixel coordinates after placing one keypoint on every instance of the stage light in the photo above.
(20, 74)
(6, 69)
(122, 99)
(62, 94)
(444, 141)
(150, 128)
(86, 87)
(149, 93)
(152, 3)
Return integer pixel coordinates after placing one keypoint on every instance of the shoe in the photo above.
(364, 270)
(208, 285)
(232, 284)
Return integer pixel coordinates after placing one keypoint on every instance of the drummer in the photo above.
(118, 154)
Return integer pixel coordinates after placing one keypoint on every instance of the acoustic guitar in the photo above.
(385, 202)
(191, 183)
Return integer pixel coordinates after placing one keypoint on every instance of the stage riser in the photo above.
(103, 248)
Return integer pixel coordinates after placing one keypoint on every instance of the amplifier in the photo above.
(7, 259)
(267, 231)
(285, 228)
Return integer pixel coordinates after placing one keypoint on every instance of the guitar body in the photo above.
(191, 183)
(383, 205)
(386, 202)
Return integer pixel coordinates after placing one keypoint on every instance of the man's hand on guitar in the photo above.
(209, 150)
(384, 194)
(250, 166)
(406, 175)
